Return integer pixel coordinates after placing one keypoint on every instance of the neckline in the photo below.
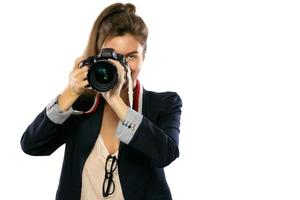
(103, 149)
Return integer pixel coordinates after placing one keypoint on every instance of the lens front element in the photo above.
(102, 75)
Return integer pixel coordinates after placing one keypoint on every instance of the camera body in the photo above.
(102, 74)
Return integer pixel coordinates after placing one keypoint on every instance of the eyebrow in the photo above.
(130, 53)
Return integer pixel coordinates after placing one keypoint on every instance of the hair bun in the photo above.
(130, 8)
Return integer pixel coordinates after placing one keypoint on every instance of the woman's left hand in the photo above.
(115, 92)
(113, 97)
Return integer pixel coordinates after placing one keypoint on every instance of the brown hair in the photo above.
(116, 20)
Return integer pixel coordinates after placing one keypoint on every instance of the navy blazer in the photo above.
(141, 162)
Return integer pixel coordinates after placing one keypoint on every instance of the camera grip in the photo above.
(86, 62)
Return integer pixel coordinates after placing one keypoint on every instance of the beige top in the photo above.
(94, 172)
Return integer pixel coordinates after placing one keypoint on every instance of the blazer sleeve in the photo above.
(43, 136)
(159, 141)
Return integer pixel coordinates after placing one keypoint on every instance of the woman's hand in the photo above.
(76, 86)
(113, 97)
(116, 91)
(78, 78)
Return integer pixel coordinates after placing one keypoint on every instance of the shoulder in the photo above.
(163, 99)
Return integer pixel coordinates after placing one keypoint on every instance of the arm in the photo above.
(47, 132)
(158, 141)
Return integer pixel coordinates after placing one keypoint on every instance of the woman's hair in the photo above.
(116, 20)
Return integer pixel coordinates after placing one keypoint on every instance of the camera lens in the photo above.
(102, 75)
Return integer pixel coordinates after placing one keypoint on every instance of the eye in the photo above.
(130, 57)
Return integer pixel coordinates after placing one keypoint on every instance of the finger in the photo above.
(122, 75)
(84, 84)
(120, 68)
(78, 80)
(82, 76)
(80, 71)
(77, 62)
(117, 63)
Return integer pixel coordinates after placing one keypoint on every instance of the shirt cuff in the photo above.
(126, 130)
(55, 114)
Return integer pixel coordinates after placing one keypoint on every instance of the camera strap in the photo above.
(130, 89)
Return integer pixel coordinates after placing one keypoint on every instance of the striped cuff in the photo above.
(55, 114)
(126, 130)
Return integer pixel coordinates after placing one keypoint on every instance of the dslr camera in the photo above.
(102, 74)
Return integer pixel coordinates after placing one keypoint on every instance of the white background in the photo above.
(234, 63)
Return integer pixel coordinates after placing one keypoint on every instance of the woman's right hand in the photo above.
(78, 78)
(76, 86)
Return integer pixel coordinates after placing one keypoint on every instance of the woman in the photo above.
(113, 150)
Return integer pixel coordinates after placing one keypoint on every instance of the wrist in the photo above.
(66, 99)
(118, 105)
(68, 90)
(114, 100)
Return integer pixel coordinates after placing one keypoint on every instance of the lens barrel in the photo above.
(102, 75)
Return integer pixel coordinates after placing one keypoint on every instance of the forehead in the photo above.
(123, 44)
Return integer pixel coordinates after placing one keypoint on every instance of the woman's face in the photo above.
(127, 45)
